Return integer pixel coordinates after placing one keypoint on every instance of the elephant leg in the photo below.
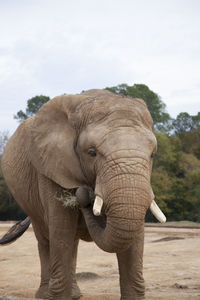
(131, 270)
(43, 248)
(62, 232)
(62, 229)
(76, 293)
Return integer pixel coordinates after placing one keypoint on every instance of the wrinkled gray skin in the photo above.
(55, 150)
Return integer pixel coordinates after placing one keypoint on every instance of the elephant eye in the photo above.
(92, 153)
(153, 154)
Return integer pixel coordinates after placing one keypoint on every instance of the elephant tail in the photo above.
(15, 231)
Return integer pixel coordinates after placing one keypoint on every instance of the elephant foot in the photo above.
(76, 293)
(42, 292)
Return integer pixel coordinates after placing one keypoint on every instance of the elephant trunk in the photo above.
(125, 210)
(111, 238)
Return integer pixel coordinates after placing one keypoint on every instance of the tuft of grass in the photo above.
(68, 198)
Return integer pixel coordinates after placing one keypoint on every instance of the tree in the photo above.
(157, 108)
(33, 105)
(185, 122)
(187, 129)
(176, 180)
(185, 204)
(168, 153)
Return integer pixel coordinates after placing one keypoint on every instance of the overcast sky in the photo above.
(66, 46)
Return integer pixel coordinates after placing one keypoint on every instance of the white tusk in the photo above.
(98, 203)
(157, 212)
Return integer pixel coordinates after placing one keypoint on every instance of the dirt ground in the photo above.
(171, 266)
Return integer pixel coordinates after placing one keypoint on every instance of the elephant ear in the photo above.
(52, 142)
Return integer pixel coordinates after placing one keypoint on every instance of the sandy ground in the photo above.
(171, 266)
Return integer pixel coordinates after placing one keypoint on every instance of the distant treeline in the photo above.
(176, 170)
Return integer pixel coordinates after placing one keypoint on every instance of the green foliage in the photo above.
(187, 128)
(176, 180)
(168, 154)
(161, 118)
(33, 105)
(186, 123)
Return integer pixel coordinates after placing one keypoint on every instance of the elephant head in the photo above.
(105, 141)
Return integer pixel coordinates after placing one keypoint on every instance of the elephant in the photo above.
(81, 169)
